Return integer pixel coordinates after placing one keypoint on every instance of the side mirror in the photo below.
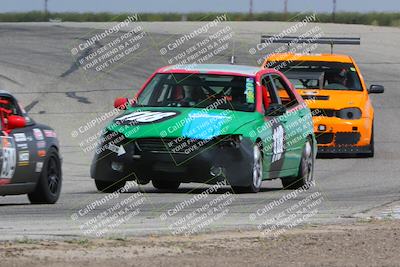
(121, 103)
(15, 122)
(275, 110)
(376, 89)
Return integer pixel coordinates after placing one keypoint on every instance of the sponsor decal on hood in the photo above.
(39, 166)
(50, 133)
(205, 125)
(38, 134)
(41, 144)
(23, 158)
(20, 137)
(144, 117)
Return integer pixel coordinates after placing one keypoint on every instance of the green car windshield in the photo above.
(321, 75)
(200, 91)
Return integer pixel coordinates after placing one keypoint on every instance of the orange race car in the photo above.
(336, 93)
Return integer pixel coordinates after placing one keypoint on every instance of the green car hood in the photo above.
(169, 122)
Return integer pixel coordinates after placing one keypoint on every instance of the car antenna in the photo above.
(233, 58)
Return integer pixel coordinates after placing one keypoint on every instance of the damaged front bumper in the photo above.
(179, 159)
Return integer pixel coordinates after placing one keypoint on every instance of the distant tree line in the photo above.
(373, 18)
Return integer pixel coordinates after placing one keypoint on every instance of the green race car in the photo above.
(209, 123)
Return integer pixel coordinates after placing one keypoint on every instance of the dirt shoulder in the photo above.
(375, 243)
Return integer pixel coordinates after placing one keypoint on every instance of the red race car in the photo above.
(29, 155)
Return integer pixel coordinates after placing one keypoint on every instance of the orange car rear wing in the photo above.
(270, 39)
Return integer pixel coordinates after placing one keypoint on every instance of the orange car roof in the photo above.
(310, 57)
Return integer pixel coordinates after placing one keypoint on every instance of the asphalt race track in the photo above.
(37, 66)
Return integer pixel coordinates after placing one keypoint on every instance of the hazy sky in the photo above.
(197, 5)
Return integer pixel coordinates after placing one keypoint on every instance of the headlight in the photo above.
(349, 113)
(229, 140)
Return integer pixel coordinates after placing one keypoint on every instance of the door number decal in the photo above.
(278, 143)
(8, 157)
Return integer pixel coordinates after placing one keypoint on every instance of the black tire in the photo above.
(141, 181)
(256, 174)
(109, 187)
(371, 152)
(48, 187)
(165, 184)
(305, 175)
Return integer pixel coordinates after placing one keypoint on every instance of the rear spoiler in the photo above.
(322, 40)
